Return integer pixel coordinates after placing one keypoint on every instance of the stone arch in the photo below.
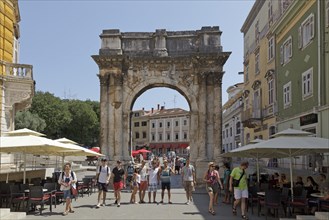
(190, 62)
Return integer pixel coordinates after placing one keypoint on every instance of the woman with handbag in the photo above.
(67, 180)
(238, 180)
(211, 177)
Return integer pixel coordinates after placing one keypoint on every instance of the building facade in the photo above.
(140, 129)
(16, 80)
(302, 67)
(232, 127)
(169, 130)
(260, 75)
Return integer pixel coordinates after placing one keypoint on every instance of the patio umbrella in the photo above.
(75, 150)
(287, 144)
(241, 152)
(23, 132)
(31, 144)
(143, 151)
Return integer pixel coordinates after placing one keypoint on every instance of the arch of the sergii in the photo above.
(190, 62)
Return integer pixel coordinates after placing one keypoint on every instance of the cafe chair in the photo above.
(253, 197)
(300, 202)
(38, 197)
(324, 205)
(51, 189)
(16, 198)
(272, 201)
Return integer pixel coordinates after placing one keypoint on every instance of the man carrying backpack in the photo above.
(103, 174)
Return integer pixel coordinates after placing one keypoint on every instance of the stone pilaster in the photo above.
(160, 49)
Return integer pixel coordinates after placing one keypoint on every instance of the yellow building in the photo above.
(16, 80)
(260, 106)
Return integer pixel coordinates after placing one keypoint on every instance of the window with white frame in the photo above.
(270, 84)
(271, 49)
(160, 136)
(307, 79)
(286, 51)
(287, 95)
(153, 136)
(306, 31)
(327, 13)
(257, 63)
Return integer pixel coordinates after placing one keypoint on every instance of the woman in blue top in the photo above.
(226, 181)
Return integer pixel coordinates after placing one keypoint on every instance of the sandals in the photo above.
(212, 212)
(234, 211)
(244, 217)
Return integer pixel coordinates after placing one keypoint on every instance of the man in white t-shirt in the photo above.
(103, 174)
(153, 181)
(143, 184)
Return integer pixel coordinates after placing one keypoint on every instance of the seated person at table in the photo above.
(323, 183)
(283, 180)
(299, 181)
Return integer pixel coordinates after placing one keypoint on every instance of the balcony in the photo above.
(18, 87)
(270, 110)
(251, 118)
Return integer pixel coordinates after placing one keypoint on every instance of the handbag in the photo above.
(236, 182)
(74, 191)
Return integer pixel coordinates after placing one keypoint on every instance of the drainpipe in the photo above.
(319, 67)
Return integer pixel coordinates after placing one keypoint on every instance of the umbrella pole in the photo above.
(257, 167)
(24, 172)
(63, 162)
(291, 181)
(7, 177)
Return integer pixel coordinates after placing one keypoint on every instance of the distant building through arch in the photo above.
(190, 62)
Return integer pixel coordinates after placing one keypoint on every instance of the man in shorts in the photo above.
(118, 175)
(153, 181)
(240, 191)
(103, 174)
(188, 180)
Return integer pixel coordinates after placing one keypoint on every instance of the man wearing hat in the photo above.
(103, 174)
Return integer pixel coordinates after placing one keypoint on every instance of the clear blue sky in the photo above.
(58, 38)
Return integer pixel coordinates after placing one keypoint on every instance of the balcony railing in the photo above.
(270, 110)
(16, 70)
(251, 117)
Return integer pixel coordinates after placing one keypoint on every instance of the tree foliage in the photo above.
(74, 119)
(26, 119)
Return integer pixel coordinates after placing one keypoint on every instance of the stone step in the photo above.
(305, 217)
(14, 215)
(322, 215)
(4, 212)
(285, 218)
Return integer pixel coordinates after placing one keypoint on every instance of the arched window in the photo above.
(247, 138)
(271, 131)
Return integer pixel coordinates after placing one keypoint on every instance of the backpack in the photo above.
(100, 169)
(72, 174)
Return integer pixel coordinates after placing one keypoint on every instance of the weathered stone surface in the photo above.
(190, 62)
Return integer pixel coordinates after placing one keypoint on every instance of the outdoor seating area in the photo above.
(39, 194)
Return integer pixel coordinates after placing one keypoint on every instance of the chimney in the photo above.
(162, 107)
(143, 109)
(158, 106)
(152, 110)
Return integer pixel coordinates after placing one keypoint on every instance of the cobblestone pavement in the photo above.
(85, 207)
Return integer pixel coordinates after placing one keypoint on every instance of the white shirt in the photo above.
(143, 174)
(104, 174)
(153, 176)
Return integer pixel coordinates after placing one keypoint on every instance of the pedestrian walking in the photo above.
(153, 181)
(211, 177)
(238, 180)
(103, 174)
(66, 180)
(129, 175)
(135, 185)
(143, 181)
(226, 183)
(188, 180)
(219, 184)
(164, 175)
(119, 178)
